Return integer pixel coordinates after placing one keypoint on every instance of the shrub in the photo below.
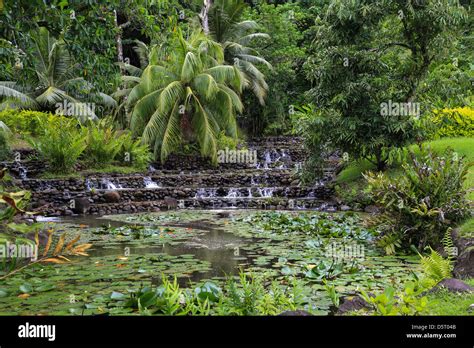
(29, 122)
(455, 122)
(103, 144)
(408, 301)
(4, 146)
(60, 145)
(133, 152)
(355, 194)
(425, 200)
(223, 142)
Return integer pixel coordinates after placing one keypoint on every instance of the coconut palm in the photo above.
(186, 95)
(235, 35)
(55, 80)
(129, 81)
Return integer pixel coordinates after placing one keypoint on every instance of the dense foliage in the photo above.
(368, 56)
(425, 200)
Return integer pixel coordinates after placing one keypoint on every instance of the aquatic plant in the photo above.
(247, 296)
(325, 225)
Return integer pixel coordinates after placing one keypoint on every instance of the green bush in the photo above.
(457, 122)
(355, 195)
(223, 142)
(102, 144)
(4, 146)
(425, 200)
(60, 145)
(134, 153)
(29, 122)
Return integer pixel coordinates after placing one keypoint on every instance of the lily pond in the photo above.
(130, 252)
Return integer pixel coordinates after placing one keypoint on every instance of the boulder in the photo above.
(453, 285)
(111, 197)
(170, 202)
(81, 205)
(344, 208)
(353, 303)
(224, 215)
(464, 267)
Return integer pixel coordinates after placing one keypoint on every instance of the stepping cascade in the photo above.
(185, 182)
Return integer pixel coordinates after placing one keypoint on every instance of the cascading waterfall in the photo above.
(205, 193)
(233, 193)
(109, 185)
(22, 172)
(87, 184)
(149, 183)
(266, 192)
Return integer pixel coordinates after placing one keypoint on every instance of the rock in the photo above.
(345, 208)
(224, 214)
(352, 303)
(372, 209)
(464, 267)
(81, 205)
(170, 203)
(297, 313)
(111, 197)
(453, 285)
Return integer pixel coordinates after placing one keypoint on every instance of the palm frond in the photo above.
(142, 50)
(8, 90)
(106, 100)
(53, 95)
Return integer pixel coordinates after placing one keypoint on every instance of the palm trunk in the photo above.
(204, 15)
(118, 41)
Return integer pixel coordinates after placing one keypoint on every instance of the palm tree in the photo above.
(186, 95)
(129, 81)
(55, 80)
(235, 35)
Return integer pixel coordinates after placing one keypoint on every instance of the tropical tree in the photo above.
(369, 56)
(55, 80)
(235, 35)
(186, 95)
(129, 81)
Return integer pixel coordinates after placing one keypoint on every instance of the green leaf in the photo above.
(117, 296)
(46, 287)
(26, 288)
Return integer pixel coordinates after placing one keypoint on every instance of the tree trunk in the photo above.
(204, 16)
(381, 162)
(118, 40)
